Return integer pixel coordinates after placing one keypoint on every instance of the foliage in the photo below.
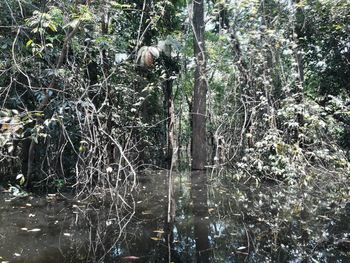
(75, 89)
(325, 41)
(93, 93)
(265, 122)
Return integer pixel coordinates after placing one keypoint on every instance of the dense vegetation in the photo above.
(92, 92)
(96, 96)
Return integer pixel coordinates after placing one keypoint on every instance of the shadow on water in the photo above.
(188, 217)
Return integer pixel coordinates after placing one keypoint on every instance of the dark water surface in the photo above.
(215, 221)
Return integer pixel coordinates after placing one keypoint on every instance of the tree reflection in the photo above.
(201, 215)
(248, 223)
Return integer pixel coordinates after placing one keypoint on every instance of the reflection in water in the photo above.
(213, 222)
(169, 226)
(201, 215)
(55, 230)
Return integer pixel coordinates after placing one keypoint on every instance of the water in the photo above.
(215, 221)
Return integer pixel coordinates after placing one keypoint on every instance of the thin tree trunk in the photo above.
(298, 28)
(105, 71)
(179, 137)
(299, 33)
(169, 101)
(199, 144)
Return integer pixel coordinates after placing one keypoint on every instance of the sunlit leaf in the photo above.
(29, 42)
(22, 181)
(118, 5)
(52, 27)
(156, 238)
(160, 231)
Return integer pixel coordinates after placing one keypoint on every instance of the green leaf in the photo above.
(22, 180)
(118, 5)
(29, 42)
(53, 27)
(338, 27)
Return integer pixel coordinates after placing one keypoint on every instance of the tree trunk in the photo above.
(298, 33)
(169, 101)
(105, 71)
(199, 149)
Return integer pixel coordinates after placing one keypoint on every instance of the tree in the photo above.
(199, 147)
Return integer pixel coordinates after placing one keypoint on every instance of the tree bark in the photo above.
(199, 147)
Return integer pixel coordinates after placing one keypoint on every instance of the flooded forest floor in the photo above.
(214, 218)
